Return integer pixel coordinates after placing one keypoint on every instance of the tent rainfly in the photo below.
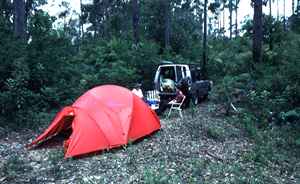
(104, 117)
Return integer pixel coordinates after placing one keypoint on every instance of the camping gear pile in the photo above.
(168, 85)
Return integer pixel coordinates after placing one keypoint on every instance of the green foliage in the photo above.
(49, 73)
(269, 89)
(217, 134)
(117, 62)
(272, 29)
(249, 124)
(229, 58)
(33, 76)
(295, 22)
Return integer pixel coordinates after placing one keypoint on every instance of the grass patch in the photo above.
(216, 133)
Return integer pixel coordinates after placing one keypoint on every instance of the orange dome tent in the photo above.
(104, 117)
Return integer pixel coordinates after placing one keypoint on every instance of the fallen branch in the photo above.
(213, 156)
(233, 107)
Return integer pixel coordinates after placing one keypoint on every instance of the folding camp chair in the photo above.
(176, 106)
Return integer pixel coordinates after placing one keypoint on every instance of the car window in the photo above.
(168, 73)
(184, 72)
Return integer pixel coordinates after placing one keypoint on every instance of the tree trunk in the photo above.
(219, 22)
(81, 21)
(224, 19)
(167, 23)
(19, 18)
(298, 7)
(271, 27)
(96, 23)
(284, 20)
(270, 8)
(204, 40)
(230, 18)
(293, 7)
(258, 31)
(277, 10)
(201, 21)
(28, 7)
(135, 21)
(5, 9)
(106, 17)
(236, 18)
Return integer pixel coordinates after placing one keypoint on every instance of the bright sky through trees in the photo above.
(244, 10)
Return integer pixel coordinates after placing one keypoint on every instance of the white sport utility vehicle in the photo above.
(188, 78)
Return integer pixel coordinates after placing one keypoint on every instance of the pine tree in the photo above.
(298, 8)
(230, 18)
(236, 17)
(167, 23)
(135, 21)
(81, 20)
(204, 39)
(284, 19)
(277, 10)
(19, 18)
(293, 7)
(270, 7)
(258, 31)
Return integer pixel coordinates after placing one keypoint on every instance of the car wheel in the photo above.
(205, 97)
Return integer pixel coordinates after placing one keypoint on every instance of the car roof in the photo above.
(191, 66)
(166, 65)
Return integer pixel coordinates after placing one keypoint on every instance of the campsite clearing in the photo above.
(198, 148)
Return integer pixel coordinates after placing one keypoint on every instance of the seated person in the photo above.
(178, 98)
(138, 91)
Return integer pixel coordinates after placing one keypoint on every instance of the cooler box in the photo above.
(154, 104)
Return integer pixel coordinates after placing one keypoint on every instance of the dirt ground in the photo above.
(200, 148)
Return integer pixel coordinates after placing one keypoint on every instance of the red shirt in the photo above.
(179, 96)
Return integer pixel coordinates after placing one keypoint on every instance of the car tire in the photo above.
(205, 97)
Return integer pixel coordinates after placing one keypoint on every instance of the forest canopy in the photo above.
(45, 65)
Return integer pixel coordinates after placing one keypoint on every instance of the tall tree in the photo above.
(108, 18)
(222, 14)
(258, 31)
(236, 17)
(28, 7)
(135, 21)
(167, 23)
(293, 7)
(270, 8)
(277, 10)
(81, 20)
(6, 9)
(298, 7)
(19, 18)
(270, 27)
(204, 54)
(284, 19)
(230, 17)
